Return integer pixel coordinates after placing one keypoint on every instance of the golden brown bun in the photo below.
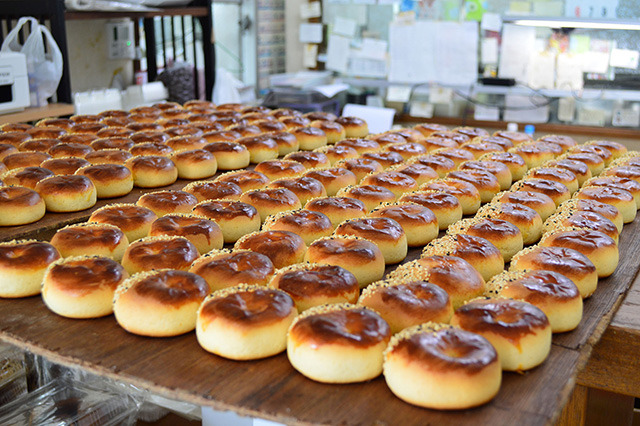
(386, 158)
(536, 153)
(271, 201)
(287, 143)
(64, 165)
(333, 178)
(310, 138)
(304, 187)
(446, 207)
(211, 190)
(503, 234)
(353, 126)
(516, 164)
(284, 248)
(337, 153)
(428, 128)
(578, 168)
(234, 218)
(485, 182)
(167, 202)
(419, 223)
(108, 156)
(479, 252)
(499, 170)
(82, 286)
(386, 233)
(371, 195)
(360, 145)
(566, 261)
(110, 180)
(25, 159)
(245, 322)
(396, 182)
(261, 147)
(407, 150)
(247, 180)
(67, 193)
(563, 176)
(466, 193)
(419, 368)
(159, 303)
(159, 252)
(195, 163)
(616, 148)
(41, 145)
(337, 209)
(358, 255)
(22, 266)
(605, 210)
(70, 150)
(100, 239)
(151, 148)
(581, 219)
(407, 304)
(541, 203)
(360, 167)
(134, 221)
(458, 155)
(309, 225)
(519, 331)
(556, 295)
(335, 132)
(203, 233)
(312, 285)
(592, 160)
(152, 171)
(627, 184)
(340, 343)
(565, 142)
(26, 176)
(225, 268)
(525, 218)
(20, 205)
(280, 169)
(112, 143)
(291, 123)
(309, 159)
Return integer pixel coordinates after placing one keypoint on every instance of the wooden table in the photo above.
(178, 368)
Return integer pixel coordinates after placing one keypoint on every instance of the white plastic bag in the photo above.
(227, 88)
(44, 68)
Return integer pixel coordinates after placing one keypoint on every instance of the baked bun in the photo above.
(396, 182)
(337, 209)
(309, 225)
(159, 252)
(627, 184)
(386, 233)
(499, 170)
(150, 148)
(563, 141)
(110, 180)
(553, 293)
(160, 303)
(291, 123)
(284, 248)
(541, 203)
(203, 233)
(229, 155)
(234, 218)
(360, 167)
(603, 153)
(280, 169)
(335, 132)
(212, 190)
(100, 239)
(62, 150)
(466, 193)
(578, 168)
(320, 115)
(441, 165)
(485, 182)
(516, 164)
(504, 235)
(168, 202)
(226, 268)
(604, 210)
(353, 126)
(433, 143)
(149, 136)
(419, 368)
(260, 147)
(195, 163)
(371, 195)
(360, 145)
(340, 343)
(309, 159)
(337, 153)
(386, 158)
(333, 178)
(593, 161)
(445, 206)
(186, 143)
(67, 193)
(581, 219)
(287, 143)
(7, 149)
(478, 149)
(25, 159)
(519, 331)
(310, 138)
(563, 176)
(312, 285)
(419, 223)
(428, 128)
(134, 221)
(247, 180)
(404, 305)
(20, 205)
(478, 251)
(271, 201)
(152, 171)
(453, 274)
(26, 176)
(112, 143)
(536, 153)
(245, 322)
(558, 192)
(418, 172)
(619, 198)
(304, 187)
(525, 218)
(41, 145)
(566, 261)
(458, 155)
(110, 156)
(82, 286)
(616, 148)
(22, 266)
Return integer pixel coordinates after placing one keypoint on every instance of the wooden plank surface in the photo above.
(37, 113)
(178, 368)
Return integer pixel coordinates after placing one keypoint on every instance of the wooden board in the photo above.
(37, 113)
(178, 368)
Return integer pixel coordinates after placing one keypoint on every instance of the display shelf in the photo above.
(37, 113)
(183, 11)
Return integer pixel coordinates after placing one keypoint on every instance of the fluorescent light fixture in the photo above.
(575, 23)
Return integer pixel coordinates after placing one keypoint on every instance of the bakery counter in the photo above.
(179, 368)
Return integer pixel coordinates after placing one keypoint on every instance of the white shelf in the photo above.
(581, 95)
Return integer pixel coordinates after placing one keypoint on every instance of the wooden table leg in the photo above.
(574, 412)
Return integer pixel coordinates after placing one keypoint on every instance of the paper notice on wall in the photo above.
(338, 51)
(569, 72)
(542, 69)
(310, 55)
(491, 22)
(518, 43)
(624, 58)
(310, 10)
(398, 93)
(421, 109)
(372, 48)
(431, 51)
(344, 26)
(310, 33)
(489, 50)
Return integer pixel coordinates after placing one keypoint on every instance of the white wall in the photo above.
(293, 46)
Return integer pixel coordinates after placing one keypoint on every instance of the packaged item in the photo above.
(13, 381)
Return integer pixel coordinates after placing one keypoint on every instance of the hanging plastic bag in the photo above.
(44, 67)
